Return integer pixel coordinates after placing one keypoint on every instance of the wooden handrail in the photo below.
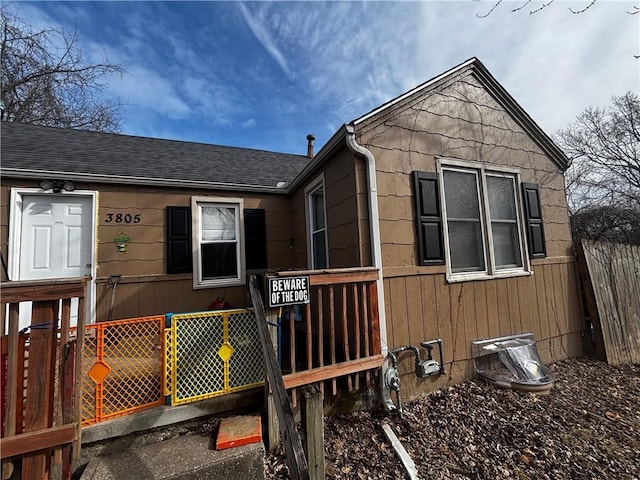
(334, 276)
(339, 335)
(294, 452)
(37, 440)
(329, 372)
(42, 290)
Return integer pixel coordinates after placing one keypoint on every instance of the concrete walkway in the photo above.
(188, 457)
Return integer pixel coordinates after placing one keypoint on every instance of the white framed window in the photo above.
(218, 241)
(483, 221)
(316, 225)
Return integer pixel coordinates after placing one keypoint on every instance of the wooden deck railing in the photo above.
(41, 414)
(337, 334)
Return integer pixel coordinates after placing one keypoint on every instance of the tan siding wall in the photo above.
(347, 218)
(299, 229)
(362, 199)
(144, 288)
(145, 255)
(462, 121)
(342, 212)
(424, 307)
(4, 224)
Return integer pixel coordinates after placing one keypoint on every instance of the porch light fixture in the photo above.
(57, 185)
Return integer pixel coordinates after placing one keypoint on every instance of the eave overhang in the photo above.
(137, 181)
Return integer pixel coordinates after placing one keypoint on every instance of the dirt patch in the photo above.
(587, 427)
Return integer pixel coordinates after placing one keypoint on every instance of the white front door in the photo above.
(53, 239)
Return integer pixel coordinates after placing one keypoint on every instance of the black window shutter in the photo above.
(179, 258)
(428, 218)
(533, 215)
(255, 238)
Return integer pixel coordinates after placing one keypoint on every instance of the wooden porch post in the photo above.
(39, 408)
(273, 426)
(313, 422)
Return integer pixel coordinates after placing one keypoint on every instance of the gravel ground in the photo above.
(587, 427)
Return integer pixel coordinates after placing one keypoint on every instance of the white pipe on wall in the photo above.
(374, 227)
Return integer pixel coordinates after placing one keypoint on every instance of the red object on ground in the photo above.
(241, 430)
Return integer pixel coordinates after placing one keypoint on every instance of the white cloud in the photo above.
(262, 34)
(342, 59)
(216, 102)
(560, 63)
(147, 89)
(355, 56)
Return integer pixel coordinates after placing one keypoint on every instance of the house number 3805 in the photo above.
(122, 218)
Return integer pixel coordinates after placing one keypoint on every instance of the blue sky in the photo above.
(265, 74)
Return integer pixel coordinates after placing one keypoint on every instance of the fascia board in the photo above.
(126, 180)
(424, 86)
(320, 157)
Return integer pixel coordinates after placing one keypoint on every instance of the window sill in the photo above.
(223, 282)
(469, 277)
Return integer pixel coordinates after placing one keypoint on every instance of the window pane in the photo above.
(461, 195)
(502, 204)
(506, 245)
(504, 226)
(317, 209)
(319, 250)
(466, 244)
(219, 260)
(466, 247)
(218, 223)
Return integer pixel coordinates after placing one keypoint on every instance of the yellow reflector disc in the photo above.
(225, 351)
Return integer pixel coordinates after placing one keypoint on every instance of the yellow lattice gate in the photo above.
(211, 353)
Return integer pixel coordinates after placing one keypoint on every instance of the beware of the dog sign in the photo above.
(288, 291)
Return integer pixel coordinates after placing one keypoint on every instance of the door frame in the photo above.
(15, 229)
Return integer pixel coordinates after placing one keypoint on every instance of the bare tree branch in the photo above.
(46, 81)
(582, 10)
(541, 7)
(603, 180)
(634, 10)
(495, 5)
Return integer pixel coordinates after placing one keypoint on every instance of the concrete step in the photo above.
(188, 457)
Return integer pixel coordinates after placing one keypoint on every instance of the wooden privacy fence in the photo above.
(41, 404)
(610, 275)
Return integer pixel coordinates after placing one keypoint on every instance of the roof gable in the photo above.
(474, 67)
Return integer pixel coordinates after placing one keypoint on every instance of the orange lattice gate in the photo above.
(123, 367)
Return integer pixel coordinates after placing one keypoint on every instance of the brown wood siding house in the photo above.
(409, 188)
(140, 192)
(464, 124)
(459, 126)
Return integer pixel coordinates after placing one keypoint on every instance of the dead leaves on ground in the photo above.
(587, 427)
